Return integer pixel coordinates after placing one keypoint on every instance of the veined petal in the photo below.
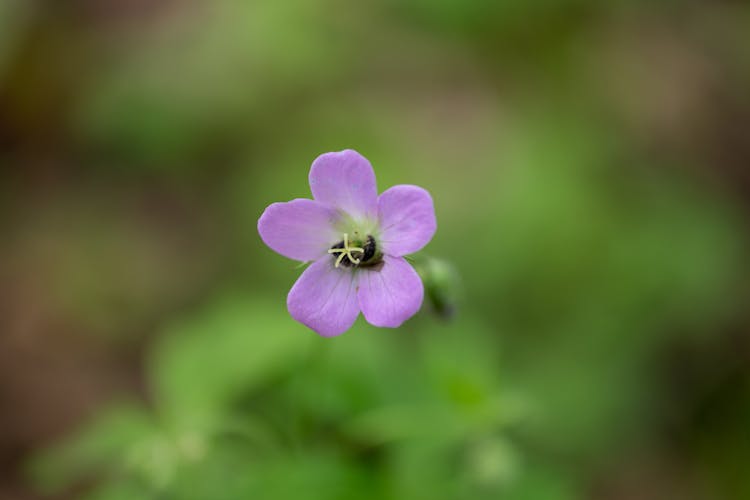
(391, 294)
(346, 181)
(299, 229)
(407, 219)
(325, 298)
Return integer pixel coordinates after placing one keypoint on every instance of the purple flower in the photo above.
(356, 241)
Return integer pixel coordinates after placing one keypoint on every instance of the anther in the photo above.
(344, 250)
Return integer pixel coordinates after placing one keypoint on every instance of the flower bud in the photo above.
(442, 284)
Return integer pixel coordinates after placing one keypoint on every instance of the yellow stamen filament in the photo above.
(346, 252)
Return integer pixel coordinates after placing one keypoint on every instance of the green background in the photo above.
(589, 166)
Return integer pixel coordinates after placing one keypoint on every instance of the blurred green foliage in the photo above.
(592, 244)
(246, 402)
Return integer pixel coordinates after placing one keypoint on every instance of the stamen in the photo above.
(346, 251)
(341, 257)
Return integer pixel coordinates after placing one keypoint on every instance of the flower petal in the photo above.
(325, 298)
(407, 219)
(390, 295)
(346, 181)
(299, 229)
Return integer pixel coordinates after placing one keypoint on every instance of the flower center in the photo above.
(355, 253)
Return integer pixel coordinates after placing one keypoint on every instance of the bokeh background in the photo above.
(589, 163)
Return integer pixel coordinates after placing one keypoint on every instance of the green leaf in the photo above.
(104, 443)
(205, 362)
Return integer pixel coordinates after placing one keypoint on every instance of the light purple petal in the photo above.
(299, 229)
(391, 295)
(346, 181)
(325, 298)
(407, 219)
